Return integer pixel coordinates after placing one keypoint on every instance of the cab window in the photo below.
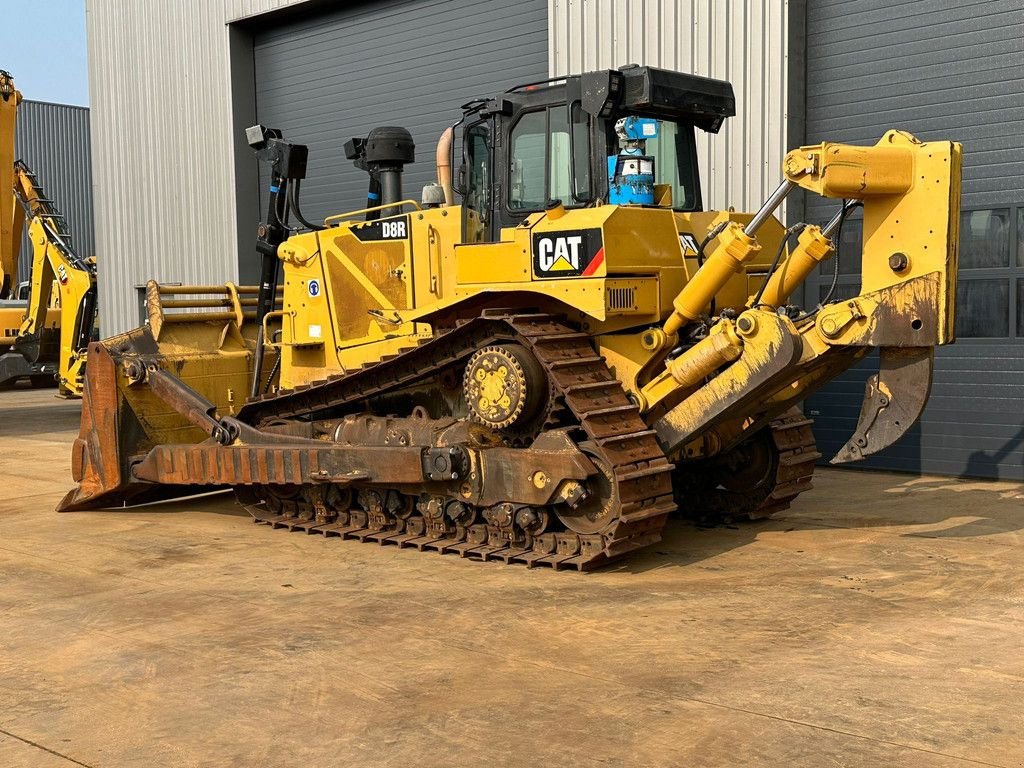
(550, 159)
(675, 164)
(476, 200)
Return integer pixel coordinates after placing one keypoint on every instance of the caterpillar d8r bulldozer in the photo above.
(542, 372)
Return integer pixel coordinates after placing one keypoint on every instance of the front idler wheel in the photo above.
(600, 507)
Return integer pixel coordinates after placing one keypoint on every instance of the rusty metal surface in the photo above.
(112, 437)
(517, 503)
(196, 409)
(594, 402)
(904, 315)
(893, 400)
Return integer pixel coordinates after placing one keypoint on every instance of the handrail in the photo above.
(340, 216)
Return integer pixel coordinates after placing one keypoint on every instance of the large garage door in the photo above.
(942, 71)
(411, 63)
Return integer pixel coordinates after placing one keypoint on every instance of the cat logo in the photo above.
(689, 243)
(559, 254)
(567, 254)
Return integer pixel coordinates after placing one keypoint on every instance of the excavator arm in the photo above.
(11, 218)
(55, 266)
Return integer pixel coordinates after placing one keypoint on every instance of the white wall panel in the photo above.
(163, 159)
(742, 41)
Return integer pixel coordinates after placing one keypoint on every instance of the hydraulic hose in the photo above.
(293, 204)
(795, 229)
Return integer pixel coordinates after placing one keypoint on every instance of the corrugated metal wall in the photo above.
(941, 71)
(164, 160)
(53, 139)
(405, 53)
(742, 41)
(163, 144)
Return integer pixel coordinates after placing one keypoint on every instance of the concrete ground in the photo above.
(879, 622)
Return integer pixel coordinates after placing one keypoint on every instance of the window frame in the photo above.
(488, 124)
(510, 165)
(1010, 274)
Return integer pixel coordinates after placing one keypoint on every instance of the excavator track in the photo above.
(636, 497)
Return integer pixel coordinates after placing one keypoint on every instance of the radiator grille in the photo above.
(621, 298)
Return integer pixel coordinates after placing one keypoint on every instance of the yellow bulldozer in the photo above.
(543, 372)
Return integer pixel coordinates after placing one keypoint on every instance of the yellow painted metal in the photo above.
(210, 352)
(733, 249)
(57, 281)
(812, 248)
(358, 291)
(338, 218)
(911, 195)
(10, 210)
(628, 357)
(682, 373)
(706, 356)
(381, 296)
(232, 306)
(59, 284)
(11, 319)
(848, 171)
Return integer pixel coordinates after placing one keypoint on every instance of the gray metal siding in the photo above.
(941, 71)
(746, 42)
(329, 77)
(53, 139)
(160, 92)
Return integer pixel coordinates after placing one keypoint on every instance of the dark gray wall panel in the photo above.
(53, 139)
(334, 75)
(941, 71)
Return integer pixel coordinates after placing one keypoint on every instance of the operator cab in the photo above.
(621, 136)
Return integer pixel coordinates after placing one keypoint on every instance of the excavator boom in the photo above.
(60, 278)
(10, 211)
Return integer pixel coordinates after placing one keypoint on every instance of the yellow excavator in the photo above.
(44, 335)
(543, 372)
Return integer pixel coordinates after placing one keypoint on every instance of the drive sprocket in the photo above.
(504, 384)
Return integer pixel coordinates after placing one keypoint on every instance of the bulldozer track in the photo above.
(611, 426)
(798, 455)
(791, 473)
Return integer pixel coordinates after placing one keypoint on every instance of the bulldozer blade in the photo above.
(110, 435)
(893, 401)
(193, 370)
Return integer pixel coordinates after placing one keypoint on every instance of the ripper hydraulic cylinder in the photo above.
(736, 246)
